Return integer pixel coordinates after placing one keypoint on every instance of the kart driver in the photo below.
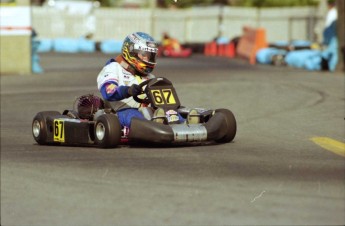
(119, 79)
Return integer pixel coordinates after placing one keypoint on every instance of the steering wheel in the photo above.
(146, 99)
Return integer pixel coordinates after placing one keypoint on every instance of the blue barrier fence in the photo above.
(80, 45)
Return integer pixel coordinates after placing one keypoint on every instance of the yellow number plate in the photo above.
(59, 131)
(164, 96)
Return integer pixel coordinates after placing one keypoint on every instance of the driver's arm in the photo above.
(107, 82)
(111, 92)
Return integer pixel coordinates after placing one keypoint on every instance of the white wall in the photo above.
(187, 25)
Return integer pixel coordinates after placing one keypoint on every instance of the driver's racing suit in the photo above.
(113, 83)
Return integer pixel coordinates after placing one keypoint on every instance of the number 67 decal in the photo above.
(164, 96)
(59, 131)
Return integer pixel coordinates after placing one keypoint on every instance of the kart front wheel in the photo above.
(39, 126)
(231, 126)
(107, 131)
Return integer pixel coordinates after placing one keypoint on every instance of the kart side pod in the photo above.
(216, 128)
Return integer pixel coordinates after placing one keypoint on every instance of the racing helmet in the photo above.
(139, 50)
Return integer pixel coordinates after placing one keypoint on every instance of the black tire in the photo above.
(39, 126)
(231, 125)
(107, 131)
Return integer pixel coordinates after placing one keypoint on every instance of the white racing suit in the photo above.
(113, 83)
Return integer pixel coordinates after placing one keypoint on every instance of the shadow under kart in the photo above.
(99, 125)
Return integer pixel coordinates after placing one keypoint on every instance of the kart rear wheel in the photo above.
(231, 125)
(39, 126)
(107, 131)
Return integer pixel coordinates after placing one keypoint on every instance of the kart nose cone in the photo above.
(100, 131)
(36, 128)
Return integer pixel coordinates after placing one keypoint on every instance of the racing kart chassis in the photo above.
(102, 127)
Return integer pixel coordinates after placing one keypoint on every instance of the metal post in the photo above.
(220, 21)
(153, 6)
(341, 34)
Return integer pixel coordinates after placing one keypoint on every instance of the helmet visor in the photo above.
(147, 57)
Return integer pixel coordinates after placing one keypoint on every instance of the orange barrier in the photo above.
(222, 49)
(251, 41)
(226, 50)
(214, 49)
(230, 50)
(207, 49)
(210, 49)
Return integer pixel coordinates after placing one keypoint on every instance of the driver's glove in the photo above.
(134, 90)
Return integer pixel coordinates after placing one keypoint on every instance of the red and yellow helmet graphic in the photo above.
(139, 50)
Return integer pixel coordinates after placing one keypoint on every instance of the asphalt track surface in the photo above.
(273, 173)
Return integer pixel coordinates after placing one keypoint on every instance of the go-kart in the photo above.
(166, 51)
(94, 121)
